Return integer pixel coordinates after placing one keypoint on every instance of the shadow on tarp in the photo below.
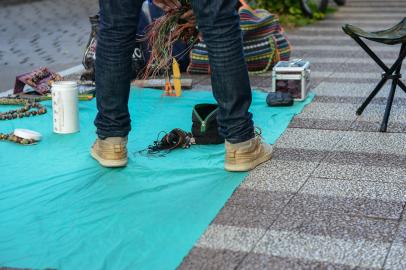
(59, 209)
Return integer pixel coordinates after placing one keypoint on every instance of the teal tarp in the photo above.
(59, 209)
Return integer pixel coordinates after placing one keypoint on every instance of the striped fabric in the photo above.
(264, 43)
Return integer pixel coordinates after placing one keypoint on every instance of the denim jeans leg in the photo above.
(115, 45)
(218, 21)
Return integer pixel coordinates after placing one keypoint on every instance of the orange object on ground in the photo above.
(168, 88)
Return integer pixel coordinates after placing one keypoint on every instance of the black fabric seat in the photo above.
(392, 36)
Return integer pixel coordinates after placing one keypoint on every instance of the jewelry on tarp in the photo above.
(21, 136)
(26, 111)
(13, 138)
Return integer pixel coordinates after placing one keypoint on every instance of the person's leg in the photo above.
(219, 23)
(115, 46)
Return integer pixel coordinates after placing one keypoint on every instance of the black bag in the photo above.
(279, 99)
(204, 127)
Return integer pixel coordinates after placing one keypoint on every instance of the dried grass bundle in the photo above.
(162, 34)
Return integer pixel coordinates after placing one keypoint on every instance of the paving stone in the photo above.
(209, 259)
(373, 199)
(362, 64)
(399, 101)
(297, 154)
(356, 75)
(379, 23)
(369, 142)
(346, 227)
(256, 199)
(361, 207)
(360, 172)
(391, 192)
(323, 248)
(324, 124)
(309, 139)
(374, 126)
(340, 79)
(397, 255)
(279, 175)
(320, 67)
(230, 237)
(349, 206)
(335, 60)
(340, 89)
(366, 159)
(346, 12)
(325, 53)
(300, 40)
(336, 171)
(247, 217)
(375, 112)
(330, 111)
(350, 47)
(390, 54)
(268, 262)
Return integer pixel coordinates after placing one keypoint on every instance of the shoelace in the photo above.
(258, 131)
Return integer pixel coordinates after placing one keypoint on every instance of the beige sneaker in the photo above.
(110, 152)
(245, 156)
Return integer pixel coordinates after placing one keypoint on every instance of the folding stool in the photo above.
(392, 36)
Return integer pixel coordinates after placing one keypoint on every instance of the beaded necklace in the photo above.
(27, 110)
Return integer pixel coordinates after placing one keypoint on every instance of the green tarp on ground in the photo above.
(59, 209)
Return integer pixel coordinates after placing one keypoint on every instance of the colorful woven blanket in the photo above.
(264, 43)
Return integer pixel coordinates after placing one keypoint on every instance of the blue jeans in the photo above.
(219, 23)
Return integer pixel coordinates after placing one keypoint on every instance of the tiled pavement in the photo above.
(334, 194)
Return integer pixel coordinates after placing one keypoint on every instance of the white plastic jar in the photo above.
(65, 107)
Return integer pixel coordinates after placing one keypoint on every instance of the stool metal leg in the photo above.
(396, 67)
(388, 108)
(395, 82)
(400, 83)
(378, 87)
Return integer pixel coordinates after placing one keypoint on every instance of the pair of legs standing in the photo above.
(218, 21)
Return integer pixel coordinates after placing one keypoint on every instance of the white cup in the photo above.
(65, 107)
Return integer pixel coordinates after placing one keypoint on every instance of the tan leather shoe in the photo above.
(110, 152)
(245, 156)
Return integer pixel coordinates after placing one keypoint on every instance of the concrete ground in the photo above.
(332, 197)
(50, 33)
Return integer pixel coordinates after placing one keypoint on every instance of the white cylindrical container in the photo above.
(65, 107)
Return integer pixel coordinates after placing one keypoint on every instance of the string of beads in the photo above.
(29, 109)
